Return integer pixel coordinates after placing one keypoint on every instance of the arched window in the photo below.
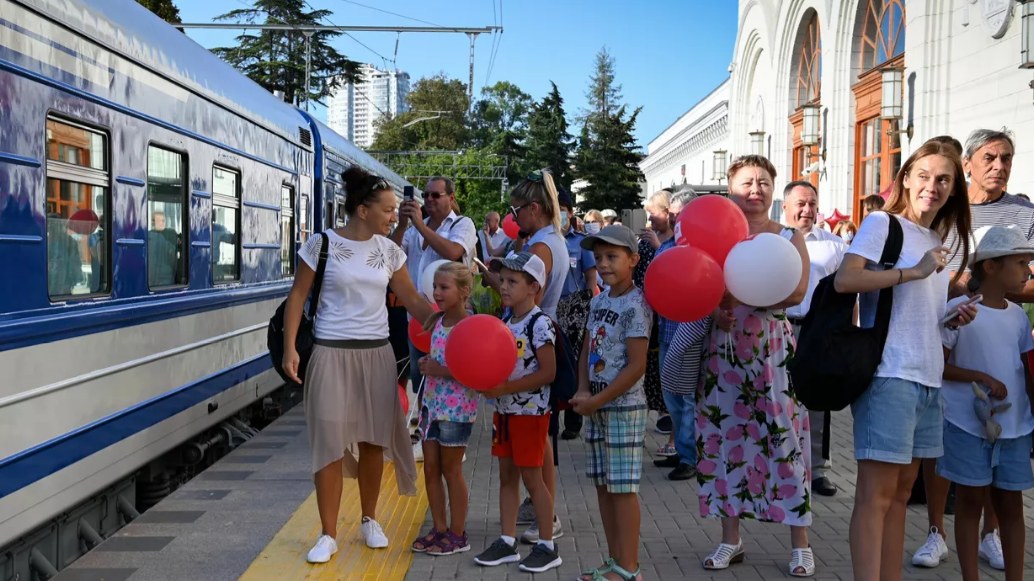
(883, 33)
(809, 64)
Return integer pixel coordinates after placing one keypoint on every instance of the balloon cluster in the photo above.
(713, 253)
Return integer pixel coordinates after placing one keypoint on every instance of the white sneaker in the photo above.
(931, 553)
(991, 550)
(531, 535)
(373, 534)
(418, 452)
(325, 548)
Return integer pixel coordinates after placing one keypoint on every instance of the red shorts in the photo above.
(522, 438)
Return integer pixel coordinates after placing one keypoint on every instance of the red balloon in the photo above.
(510, 227)
(713, 224)
(404, 398)
(481, 352)
(684, 284)
(421, 339)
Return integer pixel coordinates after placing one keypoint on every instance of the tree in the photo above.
(608, 159)
(549, 144)
(603, 95)
(447, 132)
(275, 59)
(503, 109)
(164, 9)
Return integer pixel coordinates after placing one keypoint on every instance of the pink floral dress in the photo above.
(445, 400)
(753, 437)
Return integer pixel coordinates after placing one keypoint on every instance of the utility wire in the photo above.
(392, 13)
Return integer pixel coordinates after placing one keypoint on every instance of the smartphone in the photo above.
(481, 264)
(974, 300)
(407, 193)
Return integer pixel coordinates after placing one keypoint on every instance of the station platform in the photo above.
(252, 516)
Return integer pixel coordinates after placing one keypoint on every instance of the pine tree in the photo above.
(275, 59)
(164, 9)
(604, 96)
(549, 144)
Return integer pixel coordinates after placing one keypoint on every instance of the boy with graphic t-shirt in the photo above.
(521, 420)
(611, 395)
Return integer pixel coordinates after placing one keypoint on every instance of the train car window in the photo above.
(341, 218)
(303, 219)
(78, 186)
(287, 230)
(226, 209)
(167, 207)
(328, 217)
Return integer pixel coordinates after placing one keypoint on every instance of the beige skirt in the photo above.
(351, 397)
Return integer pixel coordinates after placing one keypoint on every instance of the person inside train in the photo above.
(351, 401)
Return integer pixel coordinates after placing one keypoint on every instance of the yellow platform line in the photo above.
(283, 559)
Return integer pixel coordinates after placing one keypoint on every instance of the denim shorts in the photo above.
(896, 420)
(972, 461)
(449, 434)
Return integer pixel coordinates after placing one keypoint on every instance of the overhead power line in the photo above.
(390, 12)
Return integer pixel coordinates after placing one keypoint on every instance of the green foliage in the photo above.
(608, 156)
(164, 9)
(549, 144)
(275, 59)
(448, 132)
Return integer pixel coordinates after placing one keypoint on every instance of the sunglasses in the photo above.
(517, 209)
(434, 195)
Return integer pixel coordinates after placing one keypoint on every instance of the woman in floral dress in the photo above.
(753, 440)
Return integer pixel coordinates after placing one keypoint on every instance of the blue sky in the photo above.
(670, 53)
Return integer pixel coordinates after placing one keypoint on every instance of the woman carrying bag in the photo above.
(350, 392)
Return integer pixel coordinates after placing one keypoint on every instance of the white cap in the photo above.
(608, 213)
(996, 241)
(522, 262)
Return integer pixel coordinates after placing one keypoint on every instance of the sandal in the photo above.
(667, 450)
(724, 556)
(611, 567)
(449, 544)
(802, 563)
(421, 544)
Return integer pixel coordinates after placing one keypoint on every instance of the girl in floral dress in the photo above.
(447, 415)
(753, 440)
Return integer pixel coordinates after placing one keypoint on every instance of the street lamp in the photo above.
(810, 126)
(892, 108)
(720, 165)
(757, 142)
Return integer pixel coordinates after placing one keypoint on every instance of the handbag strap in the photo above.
(321, 269)
(891, 254)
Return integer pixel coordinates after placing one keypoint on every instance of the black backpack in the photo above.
(306, 328)
(565, 383)
(835, 361)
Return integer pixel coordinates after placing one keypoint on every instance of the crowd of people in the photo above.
(952, 392)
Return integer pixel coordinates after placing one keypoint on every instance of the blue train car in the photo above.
(152, 200)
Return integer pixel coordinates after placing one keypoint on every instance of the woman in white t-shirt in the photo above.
(899, 419)
(350, 394)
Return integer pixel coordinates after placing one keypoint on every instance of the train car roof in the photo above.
(131, 30)
(345, 148)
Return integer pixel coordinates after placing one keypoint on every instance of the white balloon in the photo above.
(763, 270)
(427, 279)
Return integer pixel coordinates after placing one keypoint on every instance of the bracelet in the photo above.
(901, 276)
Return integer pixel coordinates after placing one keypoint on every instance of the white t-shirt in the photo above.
(825, 253)
(913, 350)
(534, 402)
(995, 343)
(353, 303)
(458, 229)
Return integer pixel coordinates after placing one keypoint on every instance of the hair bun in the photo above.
(354, 177)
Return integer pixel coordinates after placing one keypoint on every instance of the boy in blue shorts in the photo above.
(611, 395)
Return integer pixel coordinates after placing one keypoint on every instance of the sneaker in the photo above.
(325, 548)
(663, 425)
(531, 536)
(682, 472)
(931, 553)
(418, 452)
(373, 534)
(569, 435)
(991, 550)
(526, 512)
(499, 553)
(541, 559)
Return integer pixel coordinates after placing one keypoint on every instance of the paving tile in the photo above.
(245, 459)
(225, 475)
(200, 494)
(134, 544)
(169, 516)
(84, 574)
(264, 445)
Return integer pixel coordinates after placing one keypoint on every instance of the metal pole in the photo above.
(470, 88)
(317, 28)
(308, 66)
